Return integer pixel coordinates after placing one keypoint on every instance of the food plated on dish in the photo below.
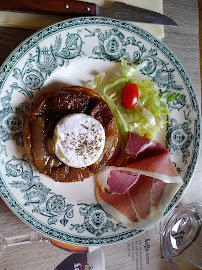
(78, 52)
(71, 134)
(63, 142)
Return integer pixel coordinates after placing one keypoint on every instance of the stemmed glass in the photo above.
(34, 237)
(82, 257)
(182, 238)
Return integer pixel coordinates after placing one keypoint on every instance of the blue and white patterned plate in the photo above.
(71, 52)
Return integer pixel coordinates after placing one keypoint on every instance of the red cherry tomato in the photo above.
(129, 95)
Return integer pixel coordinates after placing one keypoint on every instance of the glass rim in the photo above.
(166, 229)
(181, 208)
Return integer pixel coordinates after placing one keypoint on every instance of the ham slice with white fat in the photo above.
(138, 192)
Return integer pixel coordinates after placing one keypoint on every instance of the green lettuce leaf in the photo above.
(150, 113)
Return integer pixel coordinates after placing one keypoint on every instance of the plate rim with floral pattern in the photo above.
(113, 39)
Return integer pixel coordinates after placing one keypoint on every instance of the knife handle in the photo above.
(80, 8)
(69, 7)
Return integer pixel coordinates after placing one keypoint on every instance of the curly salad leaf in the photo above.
(150, 113)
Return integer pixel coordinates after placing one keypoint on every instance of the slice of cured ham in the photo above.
(138, 193)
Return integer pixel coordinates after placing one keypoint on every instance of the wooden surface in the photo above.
(183, 41)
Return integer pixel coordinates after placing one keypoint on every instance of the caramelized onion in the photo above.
(47, 112)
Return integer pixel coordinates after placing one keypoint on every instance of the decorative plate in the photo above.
(72, 52)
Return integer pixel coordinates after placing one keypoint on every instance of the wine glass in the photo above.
(82, 257)
(35, 237)
(182, 238)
